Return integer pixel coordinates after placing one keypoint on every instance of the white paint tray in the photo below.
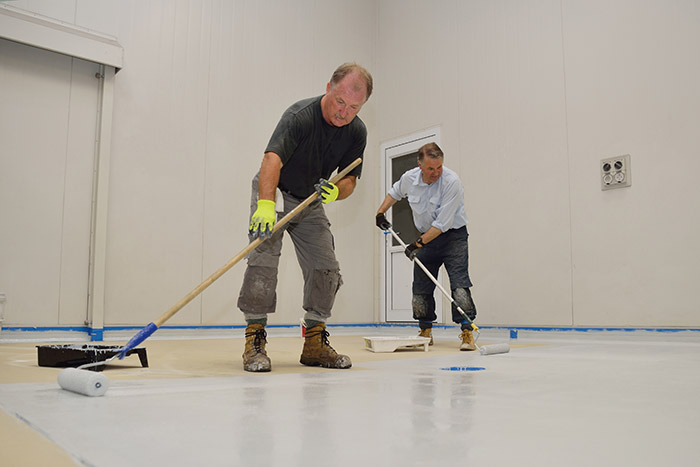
(390, 344)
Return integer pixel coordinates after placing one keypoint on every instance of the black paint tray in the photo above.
(75, 355)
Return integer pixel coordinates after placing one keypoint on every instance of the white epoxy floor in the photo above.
(562, 402)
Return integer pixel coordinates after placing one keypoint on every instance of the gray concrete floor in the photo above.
(604, 399)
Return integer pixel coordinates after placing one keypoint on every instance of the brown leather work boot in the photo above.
(467, 337)
(318, 351)
(427, 333)
(254, 356)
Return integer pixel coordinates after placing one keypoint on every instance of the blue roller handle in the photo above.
(141, 336)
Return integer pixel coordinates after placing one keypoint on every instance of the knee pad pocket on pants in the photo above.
(258, 292)
(321, 291)
(463, 298)
(423, 307)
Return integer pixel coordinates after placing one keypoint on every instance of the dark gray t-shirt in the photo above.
(311, 149)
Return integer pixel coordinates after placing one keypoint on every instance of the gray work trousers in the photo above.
(313, 242)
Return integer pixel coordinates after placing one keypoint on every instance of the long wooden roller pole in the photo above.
(152, 327)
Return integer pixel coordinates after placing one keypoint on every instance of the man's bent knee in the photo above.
(321, 289)
(258, 292)
(423, 307)
(463, 299)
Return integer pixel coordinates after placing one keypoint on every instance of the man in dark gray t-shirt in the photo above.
(310, 148)
(313, 138)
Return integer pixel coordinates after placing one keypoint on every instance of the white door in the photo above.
(398, 156)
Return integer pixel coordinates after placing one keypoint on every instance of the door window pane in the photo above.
(402, 218)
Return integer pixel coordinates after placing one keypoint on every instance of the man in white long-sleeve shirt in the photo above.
(436, 197)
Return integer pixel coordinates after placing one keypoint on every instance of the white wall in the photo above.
(531, 95)
(47, 140)
(635, 90)
(202, 88)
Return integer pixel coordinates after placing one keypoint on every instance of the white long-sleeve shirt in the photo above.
(439, 205)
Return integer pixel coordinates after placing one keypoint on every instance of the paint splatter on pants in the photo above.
(313, 242)
(451, 249)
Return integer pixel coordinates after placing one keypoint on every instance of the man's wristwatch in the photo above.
(419, 241)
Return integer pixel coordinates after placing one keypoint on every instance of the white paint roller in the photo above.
(85, 382)
(494, 349)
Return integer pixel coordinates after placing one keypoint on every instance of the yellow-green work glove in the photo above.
(326, 190)
(263, 219)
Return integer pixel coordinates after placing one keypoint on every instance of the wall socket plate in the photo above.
(615, 172)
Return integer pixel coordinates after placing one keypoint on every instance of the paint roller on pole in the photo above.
(485, 349)
(76, 379)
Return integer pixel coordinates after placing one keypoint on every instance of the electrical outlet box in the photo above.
(615, 172)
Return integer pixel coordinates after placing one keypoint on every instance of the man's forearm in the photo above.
(269, 176)
(346, 186)
(388, 202)
(431, 234)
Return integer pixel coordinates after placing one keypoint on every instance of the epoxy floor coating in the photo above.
(568, 401)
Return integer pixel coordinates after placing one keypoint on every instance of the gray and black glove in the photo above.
(412, 250)
(382, 222)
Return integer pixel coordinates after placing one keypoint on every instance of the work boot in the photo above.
(318, 351)
(467, 337)
(254, 356)
(427, 332)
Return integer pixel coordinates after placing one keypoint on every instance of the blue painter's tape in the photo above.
(463, 368)
(86, 330)
(141, 336)
(511, 329)
(513, 333)
(97, 335)
(597, 329)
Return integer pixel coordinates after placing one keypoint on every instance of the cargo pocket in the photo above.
(321, 290)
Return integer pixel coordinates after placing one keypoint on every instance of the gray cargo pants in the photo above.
(313, 242)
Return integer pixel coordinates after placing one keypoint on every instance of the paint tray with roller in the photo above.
(75, 355)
